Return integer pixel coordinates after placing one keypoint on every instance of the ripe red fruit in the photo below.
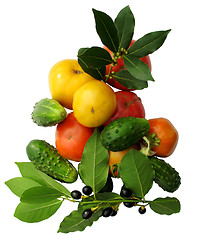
(121, 66)
(167, 134)
(71, 138)
(128, 104)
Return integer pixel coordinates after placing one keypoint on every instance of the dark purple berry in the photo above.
(125, 192)
(87, 214)
(76, 194)
(87, 190)
(107, 212)
(128, 204)
(114, 213)
(142, 210)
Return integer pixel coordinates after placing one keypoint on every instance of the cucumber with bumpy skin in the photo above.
(48, 112)
(165, 175)
(124, 132)
(46, 158)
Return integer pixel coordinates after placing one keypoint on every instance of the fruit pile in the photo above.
(105, 131)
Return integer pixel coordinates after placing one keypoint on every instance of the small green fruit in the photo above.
(48, 112)
(165, 175)
(46, 158)
(124, 132)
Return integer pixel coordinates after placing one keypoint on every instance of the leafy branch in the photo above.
(117, 36)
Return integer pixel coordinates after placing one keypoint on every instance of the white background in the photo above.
(37, 34)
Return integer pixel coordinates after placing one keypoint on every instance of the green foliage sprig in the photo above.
(117, 36)
(41, 196)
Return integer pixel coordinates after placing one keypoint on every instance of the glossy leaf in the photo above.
(137, 173)
(36, 212)
(148, 44)
(75, 222)
(94, 57)
(28, 170)
(94, 165)
(106, 30)
(19, 184)
(97, 73)
(39, 194)
(137, 68)
(166, 205)
(125, 23)
(129, 81)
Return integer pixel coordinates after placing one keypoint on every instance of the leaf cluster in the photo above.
(117, 36)
(137, 174)
(40, 195)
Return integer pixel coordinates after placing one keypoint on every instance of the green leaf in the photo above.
(94, 165)
(136, 172)
(36, 212)
(75, 222)
(137, 68)
(106, 30)
(94, 57)
(148, 44)
(97, 73)
(125, 23)
(28, 170)
(129, 81)
(19, 184)
(166, 205)
(39, 194)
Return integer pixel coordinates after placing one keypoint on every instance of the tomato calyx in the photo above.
(147, 143)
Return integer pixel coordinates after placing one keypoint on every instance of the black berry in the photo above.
(87, 190)
(142, 210)
(76, 194)
(125, 192)
(114, 213)
(128, 204)
(87, 214)
(107, 212)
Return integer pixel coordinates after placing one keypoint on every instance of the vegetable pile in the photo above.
(105, 131)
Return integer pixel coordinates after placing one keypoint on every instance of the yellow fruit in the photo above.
(65, 78)
(94, 103)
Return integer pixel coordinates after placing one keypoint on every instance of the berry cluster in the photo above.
(127, 194)
(108, 211)
(87, 190)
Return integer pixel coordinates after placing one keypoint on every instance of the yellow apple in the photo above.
(65, 78)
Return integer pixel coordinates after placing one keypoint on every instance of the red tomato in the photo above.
(71, 138)
(121, 66)
(128, 104)
(167, 134)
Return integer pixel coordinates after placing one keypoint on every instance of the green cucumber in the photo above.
(48, 112)
(124, 132)
(165, 175)
(46, 158)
